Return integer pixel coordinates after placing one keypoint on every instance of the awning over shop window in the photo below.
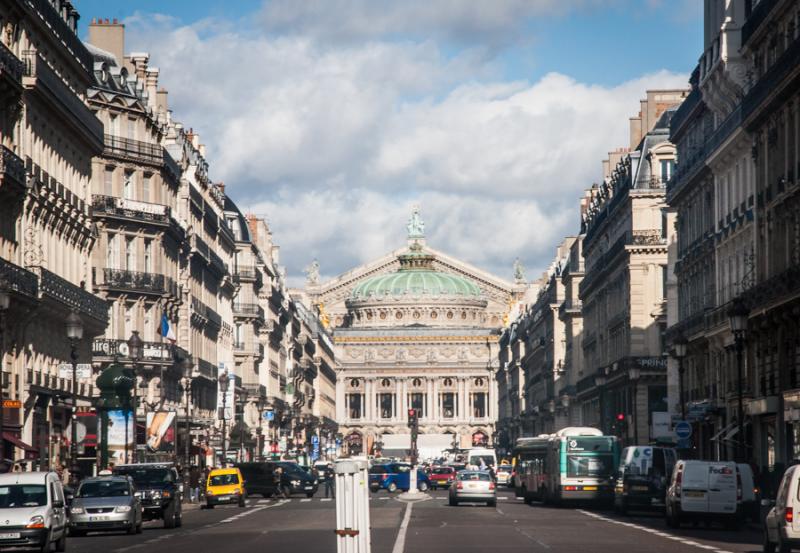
(19, 443)
(725, 429)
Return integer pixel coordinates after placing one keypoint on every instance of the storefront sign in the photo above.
(142, 207)
(12, 404)
(84, 370)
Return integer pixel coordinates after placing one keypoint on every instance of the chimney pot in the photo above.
(116, 21)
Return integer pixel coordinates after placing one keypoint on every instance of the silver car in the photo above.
(105, 503)
(473, 486)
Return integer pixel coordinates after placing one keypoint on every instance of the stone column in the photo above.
(462, 399)
(342, 412)
(369, 398)
(436, 413)
(428, 399)
(403, 400)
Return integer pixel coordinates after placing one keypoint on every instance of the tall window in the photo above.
(131, 128)
(417, 402)
(146, 188)
(355, 406)
(128, 186)
(112, 252)
(238, 335)
(386, 405)
(108, 181)
(114, 126)
(130, 255)
(448, 405)
(667, 165)
(479, 405)
(148, 256)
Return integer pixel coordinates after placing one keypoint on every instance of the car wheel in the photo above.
(242, 502)
(170, 517)
(423, 486)
(61, 544)
(392, 487)
(45, 547)
(179, 519)
(769, 547)
(139, 527)
(528, 498)
(453, 502)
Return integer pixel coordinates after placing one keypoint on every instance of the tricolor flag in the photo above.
(166, 329)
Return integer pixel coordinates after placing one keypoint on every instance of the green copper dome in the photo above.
(415, 277)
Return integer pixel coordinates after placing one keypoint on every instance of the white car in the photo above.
(32, 511)
(708, 490)
(782, 527)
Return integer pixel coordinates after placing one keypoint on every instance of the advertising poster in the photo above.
(160, 433)
(86, 431)
(117, 434)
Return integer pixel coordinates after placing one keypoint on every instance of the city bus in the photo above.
(576, 464)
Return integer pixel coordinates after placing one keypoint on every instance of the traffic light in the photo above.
(412, 418)
(621, 417)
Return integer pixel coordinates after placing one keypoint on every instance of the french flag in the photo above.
(166, 329)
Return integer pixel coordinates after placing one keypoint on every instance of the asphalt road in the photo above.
(306, 526)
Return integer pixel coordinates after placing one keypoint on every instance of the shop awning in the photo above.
(17, 442)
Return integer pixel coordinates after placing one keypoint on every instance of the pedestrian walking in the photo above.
(194, 484)
(281, 490)
(330, 482)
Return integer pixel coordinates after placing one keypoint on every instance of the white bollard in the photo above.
(412, 480)
(352, 506)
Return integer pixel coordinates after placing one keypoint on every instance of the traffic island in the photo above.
(414, 496)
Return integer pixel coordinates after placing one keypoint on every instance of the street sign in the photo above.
(315, 439)
(269, 415)
(683, 430)
(684, 443)
(12, 403)
(83, 370)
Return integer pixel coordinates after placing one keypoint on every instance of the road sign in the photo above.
(315, 439)
(12, 403)
(683, 430)
(684, 443)
(269, 415)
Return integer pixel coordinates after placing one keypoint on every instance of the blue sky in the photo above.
(331, 118)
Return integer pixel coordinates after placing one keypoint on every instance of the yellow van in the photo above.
(225, 486)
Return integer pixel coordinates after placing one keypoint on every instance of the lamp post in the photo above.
(135, 347)
(242, 403)
(74, 328)
(600, 382)
(186, 365)
(5, 302)
(634, 374)
(679, 347)
(224, 382)
(738, 315)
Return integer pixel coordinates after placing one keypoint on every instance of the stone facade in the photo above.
(415, 329)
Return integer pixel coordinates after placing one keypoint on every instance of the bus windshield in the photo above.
(589, 466)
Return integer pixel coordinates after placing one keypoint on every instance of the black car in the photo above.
(259, 478)
(641, 482)
(159, 488)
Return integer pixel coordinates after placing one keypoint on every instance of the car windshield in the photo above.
(148, 476)
(475, 476)
(504, 468)
(488, 460)
(109, 488)
(223, 479)
(443, 471)
(15, 496)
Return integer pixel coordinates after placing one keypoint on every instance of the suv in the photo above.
(159, 488)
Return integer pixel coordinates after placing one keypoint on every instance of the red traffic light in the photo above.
(412, 413)
(620, 416)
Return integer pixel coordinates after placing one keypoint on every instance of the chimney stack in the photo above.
(108, 36)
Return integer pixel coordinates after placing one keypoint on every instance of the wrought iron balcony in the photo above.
(74, 297)
(248, 310)
(770, 82)
(217, 264)
(649, 237)
(11, 68)
(207, 314)
(131, 210)
(138, 150)
(756, 18)
(12, 173)
(44, 80)
(243, 348)
(254, 390)
(17, 279)
(207, 369)
(136, 281)
(247, 273)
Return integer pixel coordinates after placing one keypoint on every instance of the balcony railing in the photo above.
(246, 272)
(72, 296)
(17, 279)
(11, 66)
(130, 209)
(207, 369)
(12, 170)
(248, 310)
(756, 18)
(649, 237)
(139, 282)
(51, 85)
(770, 81)
(217, 264)
(694, 99)
(205, 312)
(135, 149)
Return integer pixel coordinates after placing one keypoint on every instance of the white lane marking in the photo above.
(501, 512)
(326, 499)
(384, 498)
(305, 500)
(251, 511)
(400, 542)
(654, 532)
(502, 497)
(527, 535)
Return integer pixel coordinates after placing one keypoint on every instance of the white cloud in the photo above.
(335, 142)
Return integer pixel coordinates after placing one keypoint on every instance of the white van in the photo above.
(782, 525)
(32, 510)
(710, 490)
(477, 454)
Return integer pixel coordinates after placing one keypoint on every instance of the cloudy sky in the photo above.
(331, 118)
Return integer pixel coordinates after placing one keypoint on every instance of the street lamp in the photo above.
(224, 382)
(5, 302)
(738, 315)
(679, 346)
(600, 382)
(74, 328)
(242, 403)
(186, 364)
(634, 374)
(135, 347)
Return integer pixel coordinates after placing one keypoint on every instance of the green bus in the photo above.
(576, 464)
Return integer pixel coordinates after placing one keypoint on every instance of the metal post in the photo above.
(187, 439)
(73, 444)
(602, 410)
(680, 388)
(352, 507)
(224, 430)
(134, 409)
(2, 383)
(635, 412)
(241, 436)
(740, 446)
